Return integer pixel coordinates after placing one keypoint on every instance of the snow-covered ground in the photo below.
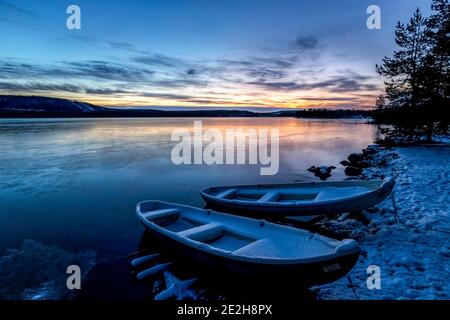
(442, 139)
(414, 254)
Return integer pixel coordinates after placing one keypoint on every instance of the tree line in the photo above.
(417, 78)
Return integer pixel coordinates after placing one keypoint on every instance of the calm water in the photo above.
(71, 185)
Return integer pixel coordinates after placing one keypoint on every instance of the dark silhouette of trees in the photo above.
(417, 89)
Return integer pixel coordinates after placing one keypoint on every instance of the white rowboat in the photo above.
(309, 198)
(250, 247)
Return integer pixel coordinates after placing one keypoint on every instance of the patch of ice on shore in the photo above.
(414, 260)
(442, 139)
(38, 272)
(177, 288)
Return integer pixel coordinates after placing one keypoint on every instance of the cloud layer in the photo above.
(292, 72)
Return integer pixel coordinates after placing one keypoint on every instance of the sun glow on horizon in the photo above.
(237, 101)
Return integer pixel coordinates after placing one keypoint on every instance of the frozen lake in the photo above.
(72, 185)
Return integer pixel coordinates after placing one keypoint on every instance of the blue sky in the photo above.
(199, 53)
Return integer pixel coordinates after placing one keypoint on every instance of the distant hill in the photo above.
(43, 107)
(33, 104)
(39, 107)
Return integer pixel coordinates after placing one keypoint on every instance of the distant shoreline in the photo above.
(46, 107)
(170, 115)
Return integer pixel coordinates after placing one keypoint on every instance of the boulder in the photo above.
(345, 163)
(367, 152)
(322, 175)
(353, 171)
(323, 172)
(362, 164)
(355, 157)
(326, 168)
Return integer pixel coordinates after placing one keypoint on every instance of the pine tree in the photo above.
(417, 77)
(404, 72)
(439, 68)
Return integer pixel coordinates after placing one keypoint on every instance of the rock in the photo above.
(367, 152)
(322, 175)
(323, 172)
(355, 157)
(362, 164)
(361, 217)
(345, 163)
(372, 209)
(326, 168)
(371, 150)
(353, 171)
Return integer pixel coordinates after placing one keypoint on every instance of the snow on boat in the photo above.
(309, 198)
(248, 247)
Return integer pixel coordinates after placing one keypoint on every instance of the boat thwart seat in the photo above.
(270, 196)
(161, 214)
(203, 232)
(226, 194)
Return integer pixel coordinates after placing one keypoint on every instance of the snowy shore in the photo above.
(412, 252)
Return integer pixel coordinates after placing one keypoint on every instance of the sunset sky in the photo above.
(295, 53)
